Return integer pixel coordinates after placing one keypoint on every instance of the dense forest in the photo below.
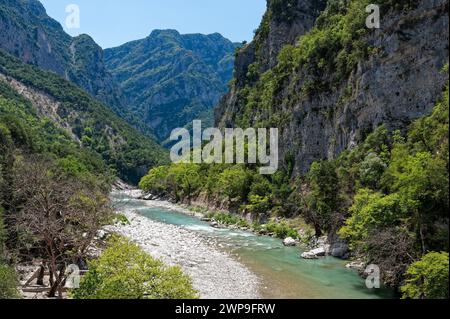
(89, 121)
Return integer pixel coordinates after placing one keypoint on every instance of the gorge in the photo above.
(360, 171)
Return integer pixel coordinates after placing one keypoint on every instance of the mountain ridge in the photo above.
(90, 123)
(173, 78)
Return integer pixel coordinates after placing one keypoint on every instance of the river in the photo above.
(281, 272)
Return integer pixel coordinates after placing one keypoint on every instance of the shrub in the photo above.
(155, 180)
(234, 182)
(8, 283)
(427, 278)
(281, 230)
(121, 219)
(371, 170)
(124, 271)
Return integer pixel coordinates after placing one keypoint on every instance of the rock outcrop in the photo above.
(398, 82)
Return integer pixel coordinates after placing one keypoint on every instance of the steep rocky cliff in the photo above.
(31, 35)
(171, 79)
(325, 80)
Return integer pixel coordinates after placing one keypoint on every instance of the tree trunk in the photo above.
(318, 230)
(40, 278)
(57, 284)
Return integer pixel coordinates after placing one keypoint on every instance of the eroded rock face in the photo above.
(399, 82)
(28, 33)
(277, 30)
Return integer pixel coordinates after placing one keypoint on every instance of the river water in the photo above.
(283, 274)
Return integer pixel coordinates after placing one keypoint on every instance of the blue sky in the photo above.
(114, 22)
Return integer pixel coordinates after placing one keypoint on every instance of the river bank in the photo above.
(246, 264)
(215, 273)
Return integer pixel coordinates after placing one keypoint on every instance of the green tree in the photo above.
(8, 283)
(124, 271)
(258, 204)
(428, 278)
(184, 180)
(155, 181)
(234, 182)
(371, 170)
(260, 186)
(370, 212)
(323, 199)
(2, 234)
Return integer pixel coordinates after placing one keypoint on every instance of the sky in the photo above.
(114, 22)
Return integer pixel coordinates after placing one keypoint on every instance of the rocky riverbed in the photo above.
(215, 273)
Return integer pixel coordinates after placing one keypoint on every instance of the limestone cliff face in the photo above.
(31, 35)
(399, 81)
(284, 22)
(28, 33)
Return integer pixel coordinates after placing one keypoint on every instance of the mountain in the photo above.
(31, 35)
(82, 118)
(171, 79)
(315, 71)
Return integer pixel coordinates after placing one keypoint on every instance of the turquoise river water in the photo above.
(282, 272)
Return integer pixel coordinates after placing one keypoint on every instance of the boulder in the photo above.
(289, 242)
(314, 254)
(214, 224)
(339, 250)
(308, 255)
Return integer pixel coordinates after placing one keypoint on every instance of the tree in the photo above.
(393, 250)
(184, 180)
(322, 201)
(258, 204)
(421, 180)
(260, 186)
(2, 235)
(124, 271)
(155, 181)
(371, 170)
(234, 182)
(428, 278)
(60, 216)
(372, 212)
